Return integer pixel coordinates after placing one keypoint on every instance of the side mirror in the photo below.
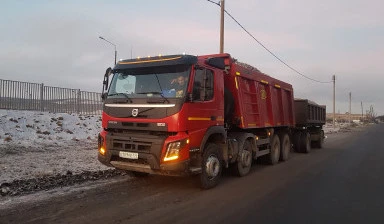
(106, 79)
(104, 96)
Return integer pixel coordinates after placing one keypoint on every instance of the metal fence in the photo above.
(15, 95)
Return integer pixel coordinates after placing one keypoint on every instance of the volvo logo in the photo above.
(135, 112)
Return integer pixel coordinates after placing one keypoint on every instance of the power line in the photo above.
(261, 44)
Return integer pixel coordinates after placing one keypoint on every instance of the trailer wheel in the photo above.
(285, 147)
(319, 143)
(274, 155)
(305, 142)
(296, 141)
(211, 166)
(244, 163)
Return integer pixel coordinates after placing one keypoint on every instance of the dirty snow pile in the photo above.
(54, 149)
(24, 128)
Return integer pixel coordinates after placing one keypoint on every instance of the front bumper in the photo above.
(148, 165)
(149, 150)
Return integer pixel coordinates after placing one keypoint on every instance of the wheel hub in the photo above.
(212, 167)
(275, 150)
(246, 158)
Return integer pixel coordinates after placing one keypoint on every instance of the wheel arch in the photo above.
(241, 137)
(215, 134)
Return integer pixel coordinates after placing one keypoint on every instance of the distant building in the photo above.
(344, 117)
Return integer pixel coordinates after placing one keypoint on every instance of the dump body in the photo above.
(309, 113)
(260, 101)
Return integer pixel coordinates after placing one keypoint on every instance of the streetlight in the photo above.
(110, 43)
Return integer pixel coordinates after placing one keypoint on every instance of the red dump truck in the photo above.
(186, 115)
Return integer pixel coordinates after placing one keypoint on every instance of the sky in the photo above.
(57, 42)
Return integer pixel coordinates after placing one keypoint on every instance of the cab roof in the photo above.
(157, 61)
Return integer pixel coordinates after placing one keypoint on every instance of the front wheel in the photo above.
(211, 166)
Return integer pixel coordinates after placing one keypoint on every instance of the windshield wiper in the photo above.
(124, 94)
(154, 92)
(161, 89)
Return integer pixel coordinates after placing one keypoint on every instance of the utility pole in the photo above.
(362, 111)
(222, 27)
(115, 55)
(334, 97)
(350, 101)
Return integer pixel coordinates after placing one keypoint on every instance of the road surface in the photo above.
(341, 183)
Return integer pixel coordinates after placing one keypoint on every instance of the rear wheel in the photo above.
(305, 142)
(296, 141)
(244, 163)
(285, 147)
(319, 143)
(211, 166)
(274, 154)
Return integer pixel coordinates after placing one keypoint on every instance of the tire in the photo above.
(296, 141)
(305, 142)
(244, 163)
(285, 147)
(274, 155)
(212, 166)
(319, 143)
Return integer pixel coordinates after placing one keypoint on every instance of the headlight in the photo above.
(102, 151)
(100, 142)
(174, 148)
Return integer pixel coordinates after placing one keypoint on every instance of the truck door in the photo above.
(207, 106)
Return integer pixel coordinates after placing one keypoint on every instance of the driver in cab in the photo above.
(178, 85)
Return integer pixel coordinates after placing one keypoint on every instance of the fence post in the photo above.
(42, 97)
(78, 104)
(2, 84)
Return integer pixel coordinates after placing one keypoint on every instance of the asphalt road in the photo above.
(341, 183)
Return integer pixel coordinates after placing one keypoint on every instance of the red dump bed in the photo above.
(259, 100)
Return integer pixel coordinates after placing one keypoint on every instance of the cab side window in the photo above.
(203, 85)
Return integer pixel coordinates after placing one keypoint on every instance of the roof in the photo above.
(157, 61)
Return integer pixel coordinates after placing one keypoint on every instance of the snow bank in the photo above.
(38, 144)
(26, 128)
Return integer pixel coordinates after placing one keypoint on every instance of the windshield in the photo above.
(169, 81)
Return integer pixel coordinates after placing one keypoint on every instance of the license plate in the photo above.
(129, 155)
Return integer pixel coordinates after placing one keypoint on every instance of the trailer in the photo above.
(196, 115)
(310, 118)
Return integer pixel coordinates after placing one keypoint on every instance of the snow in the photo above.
(38, 144)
